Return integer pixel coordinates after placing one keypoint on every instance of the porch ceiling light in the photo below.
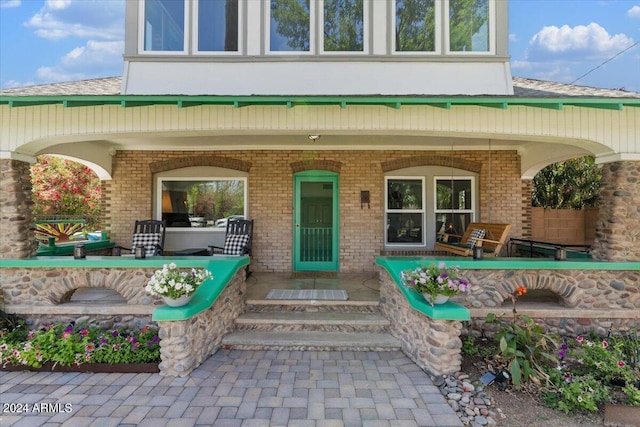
(314, 137)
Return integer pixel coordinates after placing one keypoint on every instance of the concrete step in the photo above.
(313, 321)
(310, 340)
(312, 306)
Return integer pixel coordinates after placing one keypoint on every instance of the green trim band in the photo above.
(396, 102)
(499, 263)
(125, 261)
(207, 294)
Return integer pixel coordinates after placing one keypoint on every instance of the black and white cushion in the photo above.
(475, 234)
(150, 241)
(235, 244)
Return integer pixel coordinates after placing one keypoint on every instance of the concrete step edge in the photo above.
(311, 339)
(312, 318)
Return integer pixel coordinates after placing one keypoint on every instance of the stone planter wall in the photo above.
(587, 300)
(434, 345)
(41, 295)
(185, 344)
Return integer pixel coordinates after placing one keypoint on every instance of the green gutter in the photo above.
(396, 102)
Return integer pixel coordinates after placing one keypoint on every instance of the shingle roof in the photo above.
(523, 88)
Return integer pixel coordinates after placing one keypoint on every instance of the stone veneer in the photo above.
(618, 225)
(434, 345)
(16, 210)
(40, 294)
(185, 344)
(588, 300)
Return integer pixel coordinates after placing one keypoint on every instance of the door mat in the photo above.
(302, 294)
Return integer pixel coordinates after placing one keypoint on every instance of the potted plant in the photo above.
(176, 286)
(436, 283)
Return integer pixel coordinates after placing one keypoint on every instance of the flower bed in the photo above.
(78, 346)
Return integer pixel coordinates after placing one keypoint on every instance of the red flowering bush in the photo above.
(64, 187)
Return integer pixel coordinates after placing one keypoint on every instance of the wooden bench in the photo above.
(491, 243)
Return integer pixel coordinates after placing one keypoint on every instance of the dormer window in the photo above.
(164, 24)
(290, 26)
(341, 28)
(469, 26)
(416, 27)
(214, 26)
(218, 25)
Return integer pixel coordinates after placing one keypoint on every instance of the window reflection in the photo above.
(290, 26)
(164, 25)
(415, 26)
(202, 203)
(218, 25)
(469, 25)
(343, 26)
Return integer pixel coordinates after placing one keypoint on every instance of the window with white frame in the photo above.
(416, 27)
(469, 26)
(290, 25)
(214, 27)
(200, 201)
(218, 25)
(405, 210)
(342, 26)
(164, 25)
(454, 204)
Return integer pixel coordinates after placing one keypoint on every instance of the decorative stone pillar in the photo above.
(17, 239)
(618, 225)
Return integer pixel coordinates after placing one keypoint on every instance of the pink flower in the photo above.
(605, 344)
(580, 339)
(84, 332)
(621, 363)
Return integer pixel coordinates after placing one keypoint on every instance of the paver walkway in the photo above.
(237, 388)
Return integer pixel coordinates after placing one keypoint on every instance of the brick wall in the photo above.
(129, 195)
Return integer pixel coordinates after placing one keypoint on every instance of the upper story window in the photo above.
(164, 24)
(218, 25)
(290, 25)
(215, 26)
(416, 26)
(470, 27)
(341, 26)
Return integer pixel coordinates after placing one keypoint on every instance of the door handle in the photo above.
(297, 225)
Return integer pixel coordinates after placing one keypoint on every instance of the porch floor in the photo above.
(359, 286)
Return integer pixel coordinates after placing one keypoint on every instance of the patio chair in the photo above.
(237, 239)
(490, 237)
(148, 233)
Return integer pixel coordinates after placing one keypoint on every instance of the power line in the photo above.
(608, 60)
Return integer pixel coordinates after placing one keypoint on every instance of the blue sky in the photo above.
(45, 41)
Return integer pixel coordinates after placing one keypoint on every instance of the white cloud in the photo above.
(513, 37)
(634, 12)
(581, 42)
(95, 59)
(99, 19)
(5, 4)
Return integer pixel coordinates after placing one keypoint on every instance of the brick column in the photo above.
(527, 208)
(618, 225)
(17, 239)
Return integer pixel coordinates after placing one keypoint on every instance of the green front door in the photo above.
(315, 221)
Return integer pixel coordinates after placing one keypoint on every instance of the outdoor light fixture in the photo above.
(314, 137)
(501, 377)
